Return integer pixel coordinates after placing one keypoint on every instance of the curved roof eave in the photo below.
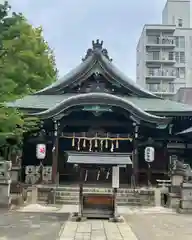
(102, 99)
(114, 72)
(75, 74)
(84, 69)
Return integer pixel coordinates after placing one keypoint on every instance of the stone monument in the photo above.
(5, 182)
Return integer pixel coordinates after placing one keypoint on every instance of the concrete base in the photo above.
(117, 219)
(173, 201)
(186, 204)
(184, 211)
(75, 217)
(32, 195)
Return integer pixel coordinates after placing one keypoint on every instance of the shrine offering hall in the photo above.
(96, 114)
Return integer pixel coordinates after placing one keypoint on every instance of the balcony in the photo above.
(157, 41)
(163, 88)
(158, 73)
(167, 58)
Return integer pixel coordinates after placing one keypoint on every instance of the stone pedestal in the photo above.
(32, 195)
(176, 180)
(5, 198)
(186, 197)
(157, 197)
(175, 191)
(15, 173)
(5, 183)
(174, 200)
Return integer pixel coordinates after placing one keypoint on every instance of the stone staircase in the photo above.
(125, 196)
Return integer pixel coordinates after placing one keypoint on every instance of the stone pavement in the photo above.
(30, 226)
(161, 226)
(96, 230)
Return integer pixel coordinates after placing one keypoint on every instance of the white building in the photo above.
(164, 51)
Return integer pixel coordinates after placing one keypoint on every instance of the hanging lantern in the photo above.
(41, 151)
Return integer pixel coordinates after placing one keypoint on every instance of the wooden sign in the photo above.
(115, 177)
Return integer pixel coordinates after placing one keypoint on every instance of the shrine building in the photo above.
(95, 112)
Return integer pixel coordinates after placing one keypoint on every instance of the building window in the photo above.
(171, 56)
(180, 72)
(153, 39)
(180, 57)
(154, 87)
(167, 87)
(154, 71)
(154, 55)
(180, 42)
(180, 22)
(171, 87)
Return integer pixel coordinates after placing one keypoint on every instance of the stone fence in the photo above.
(70, 195)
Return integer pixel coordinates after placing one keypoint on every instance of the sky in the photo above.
(71, 25)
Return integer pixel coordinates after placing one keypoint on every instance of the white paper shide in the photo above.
(41, 151)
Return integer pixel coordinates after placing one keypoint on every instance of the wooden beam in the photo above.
(95, 123)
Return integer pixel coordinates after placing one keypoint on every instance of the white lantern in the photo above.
(149, 154)
(40, 151)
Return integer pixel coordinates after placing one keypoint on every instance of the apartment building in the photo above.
(164, 51)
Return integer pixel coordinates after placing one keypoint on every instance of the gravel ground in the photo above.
(30, 226)
(161, 226)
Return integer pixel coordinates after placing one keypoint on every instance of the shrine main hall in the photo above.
(94, 113)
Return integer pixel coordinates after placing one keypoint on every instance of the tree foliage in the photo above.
(27, 64)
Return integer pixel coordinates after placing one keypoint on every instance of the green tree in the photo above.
(27, 64)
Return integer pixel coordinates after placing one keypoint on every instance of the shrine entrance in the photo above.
(94, 174)
(89, 145)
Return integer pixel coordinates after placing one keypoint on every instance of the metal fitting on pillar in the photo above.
(170, 128)
(136, 131)
(55, 128)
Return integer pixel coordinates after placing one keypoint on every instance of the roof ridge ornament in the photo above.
(97, 46)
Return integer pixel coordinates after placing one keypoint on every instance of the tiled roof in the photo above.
(43, 102)
(97, 61)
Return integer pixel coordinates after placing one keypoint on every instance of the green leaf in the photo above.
(27, 64)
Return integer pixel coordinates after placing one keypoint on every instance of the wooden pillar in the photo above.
(135, 154)
(80, 191)
(55, 152)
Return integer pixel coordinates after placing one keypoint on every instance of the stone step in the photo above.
(61, 201)
(119, 195)
(75, 200)
(119, 200)
(107, 190)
